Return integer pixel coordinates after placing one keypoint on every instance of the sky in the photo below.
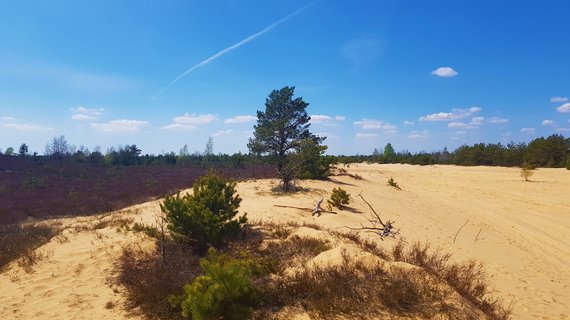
(421, 75)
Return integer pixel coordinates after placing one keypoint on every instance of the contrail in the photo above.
(233, 47)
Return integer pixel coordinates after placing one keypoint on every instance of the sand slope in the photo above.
(524, 239)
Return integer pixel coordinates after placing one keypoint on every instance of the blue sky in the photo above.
(419, 74)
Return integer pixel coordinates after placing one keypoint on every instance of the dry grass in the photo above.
(20, 241)
(349, 289)
(150, 280)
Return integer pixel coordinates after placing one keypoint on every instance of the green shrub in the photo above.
(392, 183)
(207, 215)
(224, 291)
(568, 163)
(339, 198)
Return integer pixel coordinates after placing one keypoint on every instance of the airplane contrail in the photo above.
(235, 46)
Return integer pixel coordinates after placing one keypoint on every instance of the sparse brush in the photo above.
(20, 240)
(526, 171)
(339, 198)
(392, 183)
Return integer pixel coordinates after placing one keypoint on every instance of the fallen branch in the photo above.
(454, 238)
(378, 226)
(314, 211)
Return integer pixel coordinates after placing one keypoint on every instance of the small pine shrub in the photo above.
(568, 163)
(526, 171)
(392, 183)
(339, 198)
(225, 291)
(207, 215)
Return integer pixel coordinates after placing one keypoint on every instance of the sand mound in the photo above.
(518, 229)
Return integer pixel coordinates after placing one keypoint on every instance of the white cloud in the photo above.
(409, 123)
(320, 118)
(498, 120)
(460, 133)
(418, 134)
(455, 114)
(529, 130)
(328, 135)
(548, 122)
(366, 135)
(25, 127)
(563, 129)
(120, 126)
(195, 119)
(564, 108)
(477, 120)
(370, 124)
(461, 125)
(558, 99)
(220, 133)
(179, 127)
(7, 118)
(82, 113)
(340, 118)
(445, 72)
(240, 119)
(189, 122)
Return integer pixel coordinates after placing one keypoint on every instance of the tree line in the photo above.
(282, 137)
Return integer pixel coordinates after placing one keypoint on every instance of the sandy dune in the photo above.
(523, 241)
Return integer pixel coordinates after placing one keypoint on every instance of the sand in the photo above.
(523, 227)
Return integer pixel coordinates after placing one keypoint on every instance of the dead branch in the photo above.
(454, 238)
(374, 211)
(378, 227)
(316, 210)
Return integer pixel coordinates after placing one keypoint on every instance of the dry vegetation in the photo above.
(430, 286)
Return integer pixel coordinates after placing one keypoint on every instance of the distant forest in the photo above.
(552, 152)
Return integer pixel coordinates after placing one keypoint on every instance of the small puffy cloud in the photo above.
(320, 118)
(328, 135)
(558, 99)
(564, 108)
(455, 114)
(366, 135)
(529, 130)
(220, 133)
(460, 133)
(195, 119)
(340, 118)
(498, 120)
(477, 120)
(444, 72)
(371, 124)
(461, 125)
(179, 127)
(409, 123)
(563, 129)
(82, 113)
(418, 134)
(25, 127)
(547, 122)
(120, 126)
(240, 119)
(189, 122)
(7, 118)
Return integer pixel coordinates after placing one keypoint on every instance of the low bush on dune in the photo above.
(339, 198)
(18, 241)
(349, 289)
(208, 215)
